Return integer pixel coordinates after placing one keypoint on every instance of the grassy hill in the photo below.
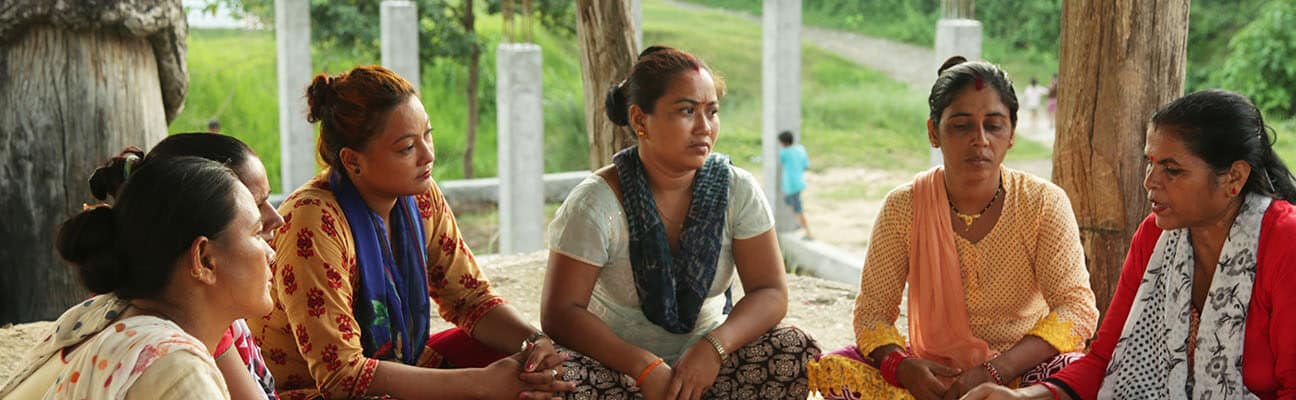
(852, 116)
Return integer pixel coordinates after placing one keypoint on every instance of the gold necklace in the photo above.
(968, 219)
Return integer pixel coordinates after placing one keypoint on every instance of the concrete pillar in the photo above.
(955, 37)
(400, 47)
(520, 120)
(296, 138)
(781, 96)
(636, 13)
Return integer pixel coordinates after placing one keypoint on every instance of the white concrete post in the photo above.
(296, 138)
(955, 37)
(636, 13)
(781, 96)
(520, 120)
(400, 47)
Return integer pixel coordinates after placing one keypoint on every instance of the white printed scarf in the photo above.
(1150, 359)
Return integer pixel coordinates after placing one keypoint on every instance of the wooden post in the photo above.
(76, 89)
(607, 45)
(1120, 61)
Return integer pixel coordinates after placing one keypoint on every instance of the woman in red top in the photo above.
(1201, 310)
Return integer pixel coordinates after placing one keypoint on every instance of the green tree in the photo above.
(447, 33)
(1262, 60)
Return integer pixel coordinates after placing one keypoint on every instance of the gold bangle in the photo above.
(719, 348)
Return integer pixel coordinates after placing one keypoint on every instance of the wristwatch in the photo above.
(531, 340)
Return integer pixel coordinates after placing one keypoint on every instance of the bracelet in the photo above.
(644, 374)
(994, 372)
(719, 348)
(890, 366)
(1051, 389)
(531, 340)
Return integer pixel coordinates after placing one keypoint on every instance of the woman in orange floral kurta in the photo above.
(363, 247)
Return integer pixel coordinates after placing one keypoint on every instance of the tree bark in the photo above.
(607, 45)
(71, 99)
(474, 73)
(1120, 61)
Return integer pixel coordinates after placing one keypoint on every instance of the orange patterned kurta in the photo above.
(311, 340)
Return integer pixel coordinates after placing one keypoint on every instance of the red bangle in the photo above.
(646, 370)
(994, 373)
(1052, 390)
(890, 365)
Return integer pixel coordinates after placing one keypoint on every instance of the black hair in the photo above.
(785, 137)
(131, 248)
(1222, 127)
(224, 149)
(957, 73)
(648, 80)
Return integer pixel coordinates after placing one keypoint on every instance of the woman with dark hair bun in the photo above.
(644, 251)
(369, 250)
(991, 256)
(237, 353)
(1204, 308)
(175, 260)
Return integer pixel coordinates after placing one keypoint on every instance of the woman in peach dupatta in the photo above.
(997, 286)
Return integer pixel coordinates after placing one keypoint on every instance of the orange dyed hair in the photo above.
(352, 107)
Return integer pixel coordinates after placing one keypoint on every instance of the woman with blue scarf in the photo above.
(365, 249)
(643, 254)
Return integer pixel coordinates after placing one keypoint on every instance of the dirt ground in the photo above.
(820, 307)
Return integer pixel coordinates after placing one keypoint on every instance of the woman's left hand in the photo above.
(969, 379)
(695, 371)
(542, 356)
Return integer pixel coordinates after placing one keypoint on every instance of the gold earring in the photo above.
(639, 133)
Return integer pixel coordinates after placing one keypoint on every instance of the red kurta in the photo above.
(1269, 352)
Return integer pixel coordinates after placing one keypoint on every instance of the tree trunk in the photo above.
(607, 45)
(1120, 61)
(474, 66)
(71, 99)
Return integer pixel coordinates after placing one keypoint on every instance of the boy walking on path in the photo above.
(794, 160)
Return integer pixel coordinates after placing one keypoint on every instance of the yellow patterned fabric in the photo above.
(877, 336)
(1026, 277)
(832, 375)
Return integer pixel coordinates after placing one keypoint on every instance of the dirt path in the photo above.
(911, 64)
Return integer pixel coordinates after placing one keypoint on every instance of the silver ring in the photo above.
(555, 373)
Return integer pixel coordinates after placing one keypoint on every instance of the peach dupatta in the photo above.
(939, 329)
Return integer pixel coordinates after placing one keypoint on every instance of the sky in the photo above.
(200, 18)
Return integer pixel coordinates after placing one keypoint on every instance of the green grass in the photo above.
(851, 116)
(232, 78)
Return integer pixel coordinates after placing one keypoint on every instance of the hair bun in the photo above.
(89, 241)
(106, 179)
(317, 97)
(950, 62)
(654, 49)
(617, 110)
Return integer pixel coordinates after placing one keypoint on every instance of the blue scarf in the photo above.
(672, 289)
(391, 304)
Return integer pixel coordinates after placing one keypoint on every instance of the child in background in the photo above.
(795, 161)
